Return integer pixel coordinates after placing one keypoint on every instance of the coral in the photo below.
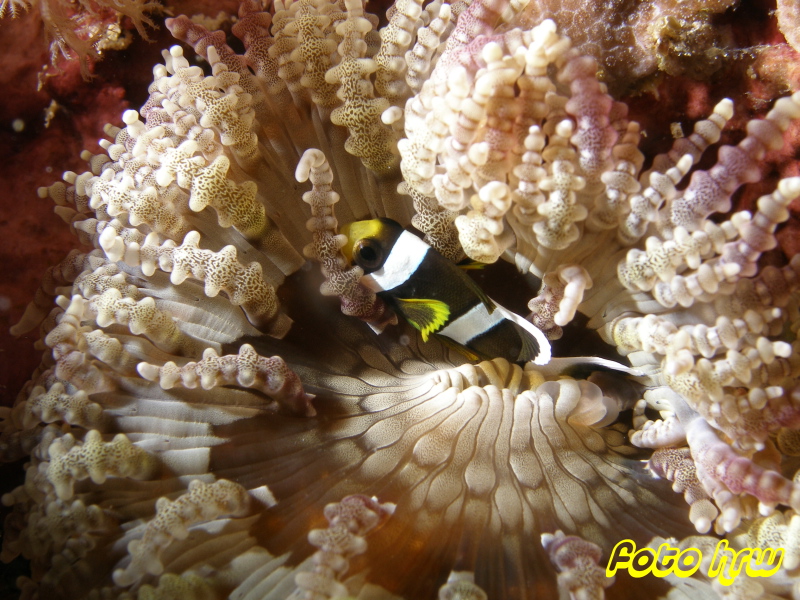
(54, 404)
(170, 443)
(71, 461)
(634, 40)
(577, 560)
(676, 464)
(247, 369)
(187, 586)
(356, 299)
(349, 522)
(13, 7)
(461, 586)
(201, 502)
(787, 22)
(84, 29)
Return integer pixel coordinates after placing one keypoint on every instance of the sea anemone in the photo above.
(220, 417)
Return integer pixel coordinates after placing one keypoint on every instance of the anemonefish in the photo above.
(436, 296)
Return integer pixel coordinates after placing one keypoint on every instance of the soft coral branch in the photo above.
(75, 28)
(13, 7)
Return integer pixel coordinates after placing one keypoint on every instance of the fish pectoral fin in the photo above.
(424, 314)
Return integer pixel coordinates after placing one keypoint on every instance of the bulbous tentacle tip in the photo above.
(165, 456)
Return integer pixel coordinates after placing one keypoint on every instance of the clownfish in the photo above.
(436, 297)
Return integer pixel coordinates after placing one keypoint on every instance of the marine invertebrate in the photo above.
(634, 41)
(84, 29)
(434, 475)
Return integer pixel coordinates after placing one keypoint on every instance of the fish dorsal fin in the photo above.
(425, 314)
(475, 288)
(535, 345)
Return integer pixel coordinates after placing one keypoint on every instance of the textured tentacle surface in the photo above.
(216, 416)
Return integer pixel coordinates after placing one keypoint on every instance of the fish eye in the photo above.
(368, 254)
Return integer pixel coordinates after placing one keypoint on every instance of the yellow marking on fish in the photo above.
(425, 314)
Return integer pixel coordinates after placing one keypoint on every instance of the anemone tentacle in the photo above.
(208, 422)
